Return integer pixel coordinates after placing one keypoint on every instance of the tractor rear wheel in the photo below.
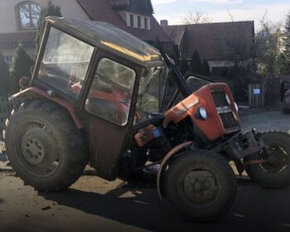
(44, 147)
(201, 185)
(274, 172)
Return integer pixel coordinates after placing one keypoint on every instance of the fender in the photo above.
(164, 163)
(36, 93)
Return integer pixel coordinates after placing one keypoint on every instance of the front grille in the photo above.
(228, 120)
(224, 110)
(220, 98)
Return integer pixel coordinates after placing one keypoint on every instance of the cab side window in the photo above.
(65, 62)
(111, 92)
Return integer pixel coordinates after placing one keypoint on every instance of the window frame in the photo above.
(145, 23)
(133, 96)
(139, 21)
(131, 20)
(161, 94)
(45, 85)
(18, 15)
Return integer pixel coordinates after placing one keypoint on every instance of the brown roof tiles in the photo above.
(102, 10)
(215, 41)
(11, 40)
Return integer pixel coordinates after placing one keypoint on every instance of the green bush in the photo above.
(205, 68)
(184, 66)
(4, 77)
(195, 63)
(285, 59)
(22, 64)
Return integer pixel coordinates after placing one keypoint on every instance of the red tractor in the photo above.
(99, 96)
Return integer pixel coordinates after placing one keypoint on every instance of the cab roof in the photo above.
(110, 38)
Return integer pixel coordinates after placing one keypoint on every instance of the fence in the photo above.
(257, 94)
(273, 93)
(5, 109)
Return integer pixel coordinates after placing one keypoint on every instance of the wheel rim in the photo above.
(201, 187)
(277, 159)
(38, 148)
(33, 151)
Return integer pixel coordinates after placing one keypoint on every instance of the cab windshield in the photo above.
(151, 92)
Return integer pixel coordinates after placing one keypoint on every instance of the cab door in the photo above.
(109, 107)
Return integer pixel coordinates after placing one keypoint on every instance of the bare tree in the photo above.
(231, 16)
(195, 18)
(269, 48)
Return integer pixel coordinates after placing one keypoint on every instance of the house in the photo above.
(221, 44)
(19, 20)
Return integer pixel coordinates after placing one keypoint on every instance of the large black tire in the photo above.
(194, 198)
(44, 147)
(275, 172)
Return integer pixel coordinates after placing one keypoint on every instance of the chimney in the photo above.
(163, 23)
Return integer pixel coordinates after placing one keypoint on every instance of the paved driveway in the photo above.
(93, 204)
(266, 120)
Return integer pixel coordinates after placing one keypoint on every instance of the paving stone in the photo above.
(3, 157)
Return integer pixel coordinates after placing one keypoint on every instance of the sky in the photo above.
(220, 10)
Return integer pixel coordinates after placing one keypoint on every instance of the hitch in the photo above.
(243, 144)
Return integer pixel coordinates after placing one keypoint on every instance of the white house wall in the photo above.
(8, 14)
(220, 64)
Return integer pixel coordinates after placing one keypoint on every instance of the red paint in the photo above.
(145, 135)
(33, 92)
(255, 162)
(212, 127)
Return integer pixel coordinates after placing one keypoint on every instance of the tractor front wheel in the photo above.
(274, 170)
(44, 147)
(201, 185)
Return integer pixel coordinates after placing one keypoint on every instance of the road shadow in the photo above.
(254, 209)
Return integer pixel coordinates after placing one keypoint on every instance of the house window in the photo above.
(221, 71)
(9, 61)
(139, 21)
(131, 20)
(29, 13)
(146, 23)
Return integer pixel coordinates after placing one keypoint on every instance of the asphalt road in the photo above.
(93, 204)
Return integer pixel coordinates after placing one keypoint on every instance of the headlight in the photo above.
(228, 99)
(236, 107)
(201, 113)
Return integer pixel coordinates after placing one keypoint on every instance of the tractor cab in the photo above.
(109, 80)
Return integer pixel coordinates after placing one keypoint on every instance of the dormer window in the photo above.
(146, 23)
(131, 20)
(137, 21)
(28, 13)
